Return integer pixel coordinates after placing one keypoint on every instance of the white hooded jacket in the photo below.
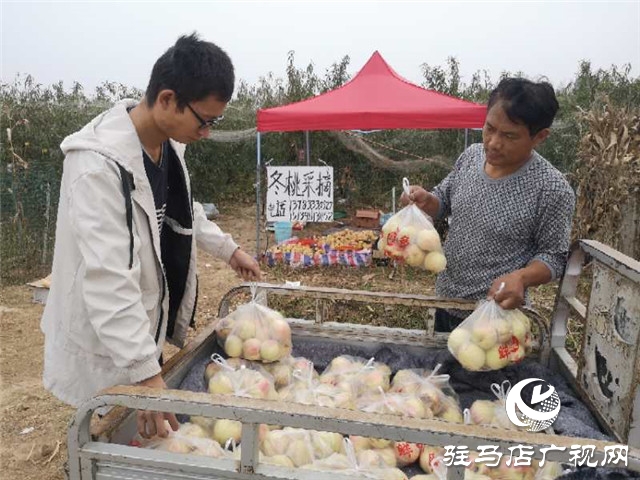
(108, 311)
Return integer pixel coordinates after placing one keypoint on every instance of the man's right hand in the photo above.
(424, 200)
(152, 423)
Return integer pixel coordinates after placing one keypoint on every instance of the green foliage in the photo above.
(35, 119)
(40, 117)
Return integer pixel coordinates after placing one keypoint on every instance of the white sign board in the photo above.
(300, 193)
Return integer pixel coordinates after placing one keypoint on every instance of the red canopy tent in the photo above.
(376, 98)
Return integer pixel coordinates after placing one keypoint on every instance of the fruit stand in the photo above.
(346, 247)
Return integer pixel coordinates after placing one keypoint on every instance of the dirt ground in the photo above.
(33, 437)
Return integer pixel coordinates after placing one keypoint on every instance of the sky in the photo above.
(91, 42)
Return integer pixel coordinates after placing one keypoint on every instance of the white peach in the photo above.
(226, 429)
(233, 346)
(495, 360)
(414, 256)
(428, 240)
(472, 357)
(251, 349)
(270, 351)
(435, 262)
(406, 453)
(457, 338)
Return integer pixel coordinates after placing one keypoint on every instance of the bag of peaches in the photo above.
(491, 338)
(409, 237)
(255, 332)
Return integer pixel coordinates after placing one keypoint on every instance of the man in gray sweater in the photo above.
(509, 209)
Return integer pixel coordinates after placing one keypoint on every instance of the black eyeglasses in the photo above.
(206, 123)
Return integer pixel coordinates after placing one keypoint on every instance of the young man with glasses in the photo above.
(124, 267)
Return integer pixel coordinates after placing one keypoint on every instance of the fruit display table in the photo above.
(346, 247)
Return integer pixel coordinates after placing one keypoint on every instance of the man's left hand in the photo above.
(512, 294)
(245, 265)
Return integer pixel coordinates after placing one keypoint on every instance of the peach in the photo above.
(427, 455)
(391, 226)
(428, 240)
(494, 360)
(388, 455)
(472, 357)
(380, 443)
(519, 328)
(192, 430)
(414, 256)
(435, 262)
(245, 328)
(482, 412)
(226, 429)
(275, 443)
(220, 383)
(281, 330)
(300, 452)
(360, 443)
(406, 235)
(251, 349)
(175, 445)
(233, 346)
(270, 351)
(483, 333)
(457, 338)
(406, 453)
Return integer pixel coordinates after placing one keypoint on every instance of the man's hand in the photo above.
(424, 200)
(153, 423)
(515, 283)
(245, 265)
(512, 294)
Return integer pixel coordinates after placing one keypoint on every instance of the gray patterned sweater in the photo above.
(497, 226)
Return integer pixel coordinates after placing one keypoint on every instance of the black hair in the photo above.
(193, 69)
(526, 102)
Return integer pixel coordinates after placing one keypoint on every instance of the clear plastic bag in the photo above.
(283, 370)
(361, 375)
(358, 463)
(409, 237)
(214, 367)
(493, 412)
(183, 441)
(402, 404)
(239, 378)
(255, 332)
(306, 388)
(491, 338)
(428, 458)
(296, 447)
(294, 443)
(432, 388)
(244, 381)
(381, 446)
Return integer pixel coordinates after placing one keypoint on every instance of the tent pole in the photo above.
(393, 200)
(466, 138)
(258, 196)
(307, 149)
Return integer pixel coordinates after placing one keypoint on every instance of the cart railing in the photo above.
(84, 454)
(607, 371)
